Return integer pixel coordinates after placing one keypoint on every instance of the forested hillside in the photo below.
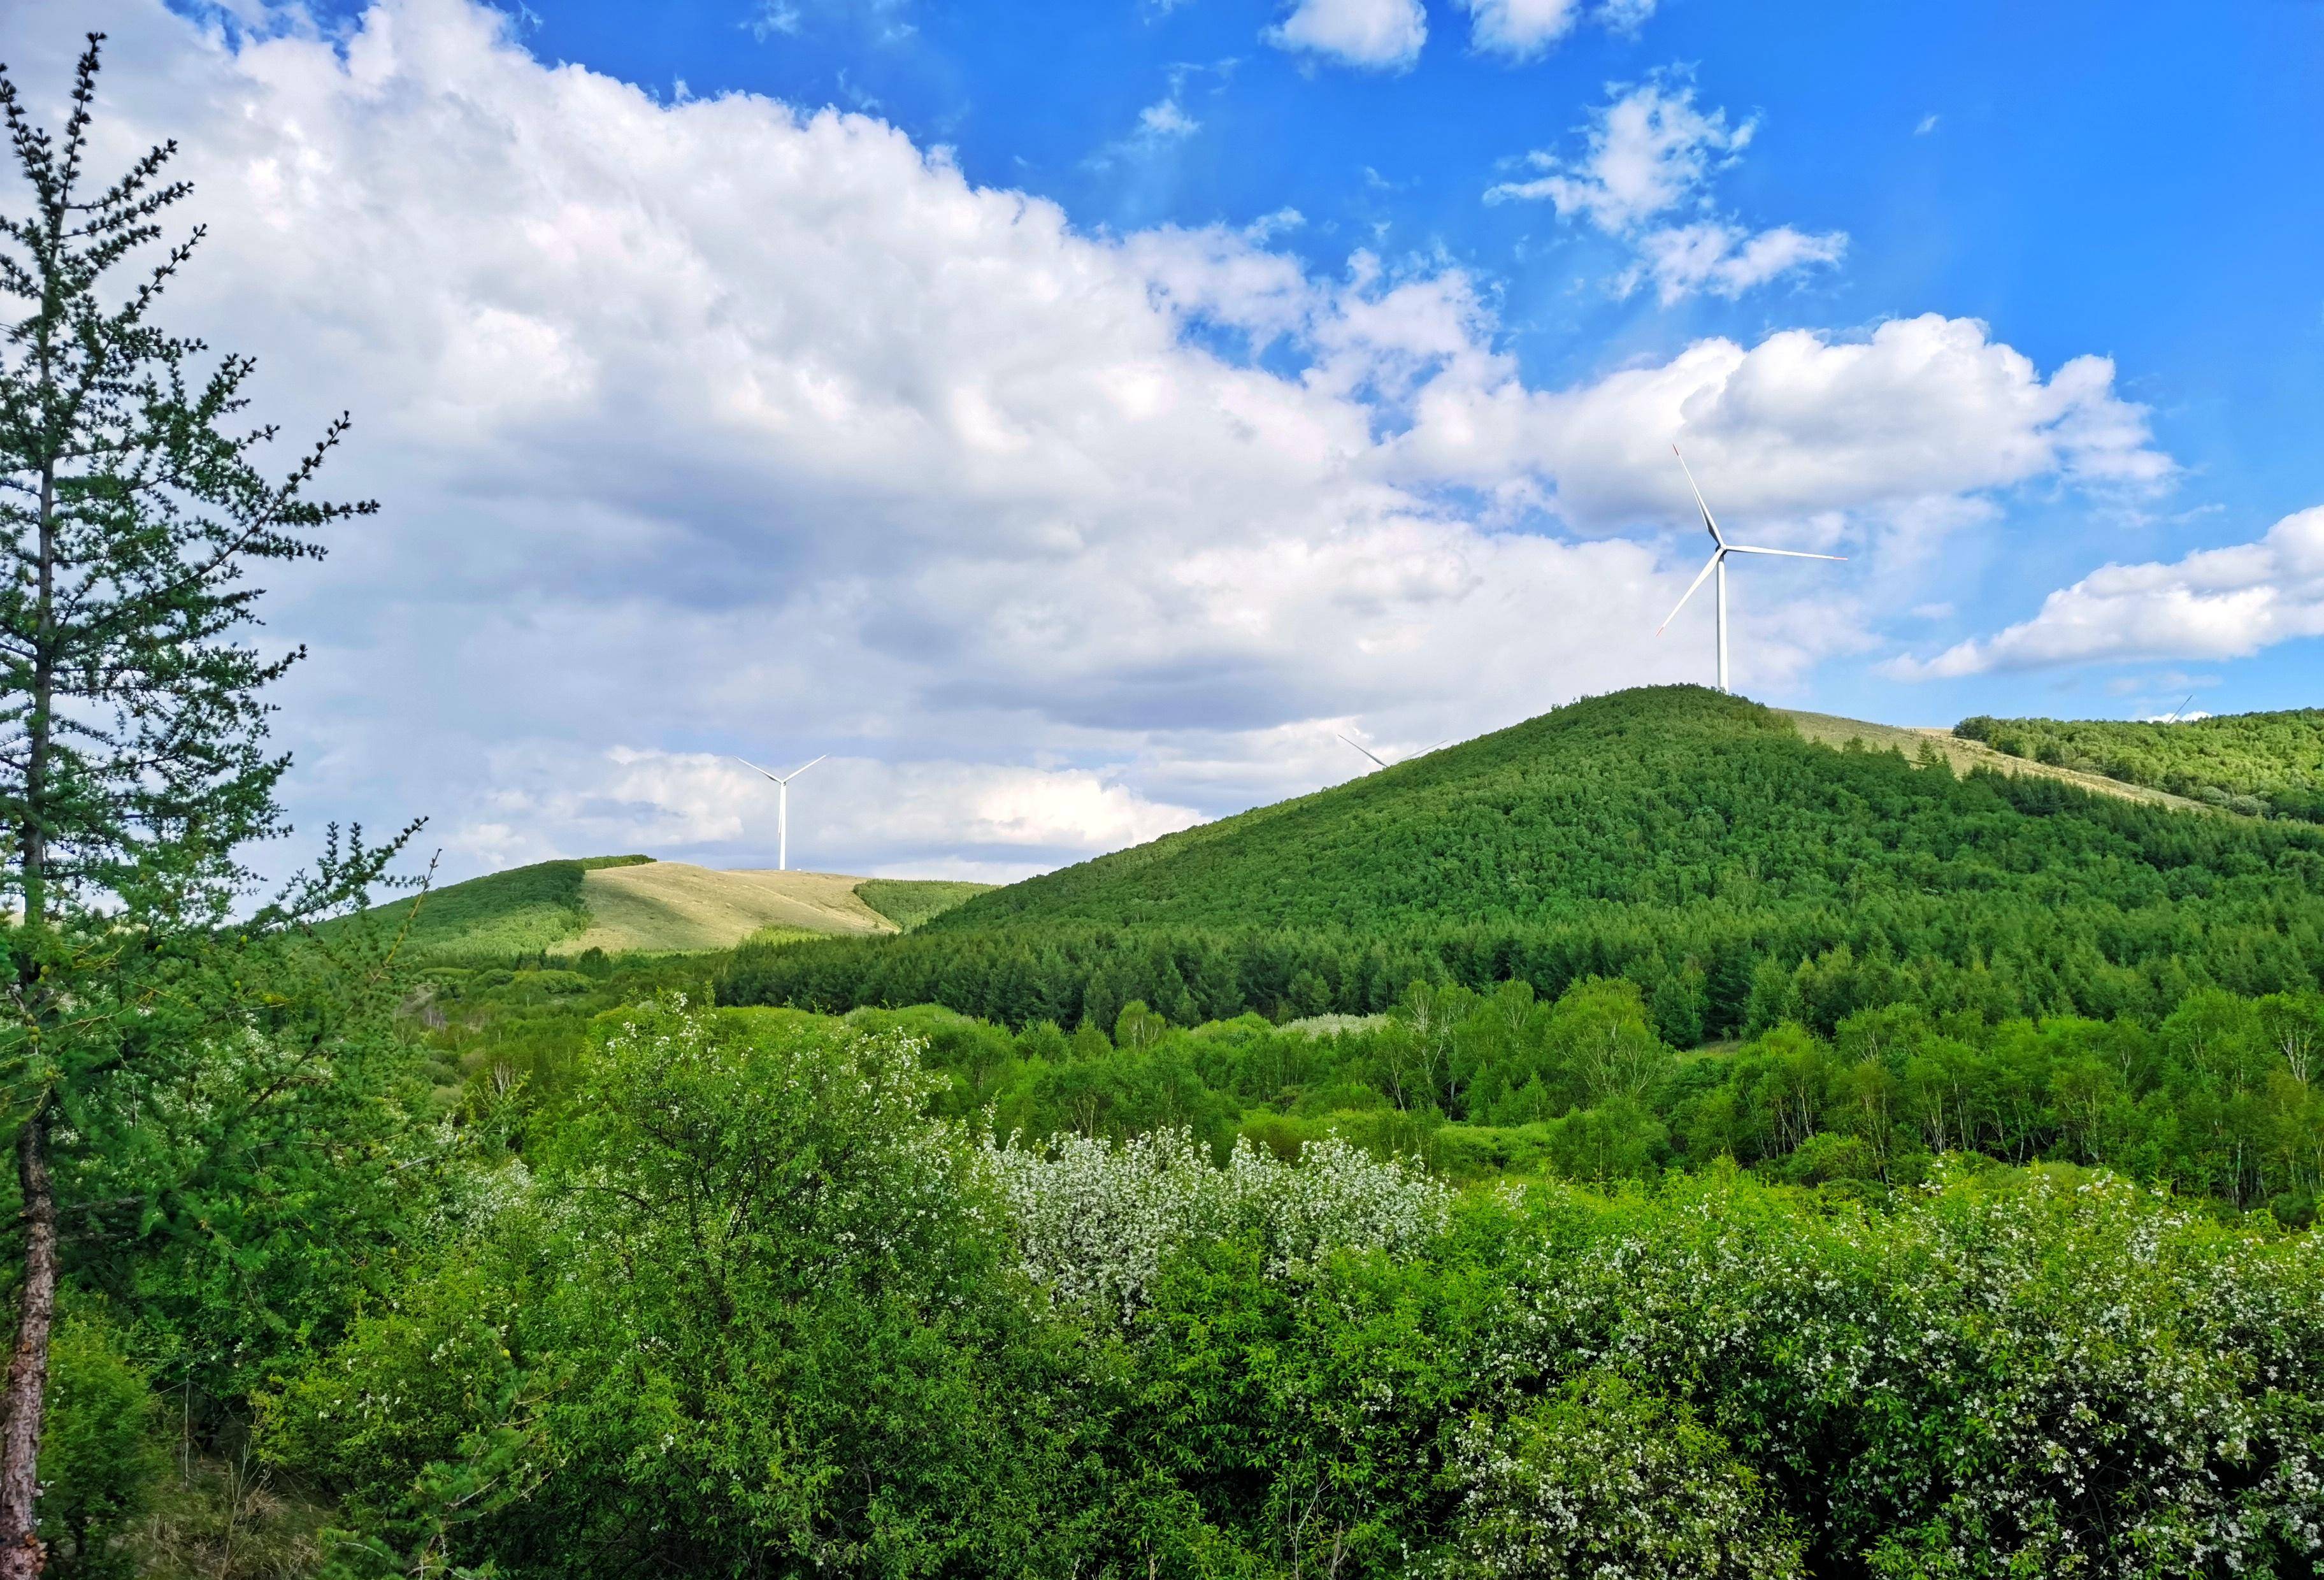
(2256, 764)
(1692, 842)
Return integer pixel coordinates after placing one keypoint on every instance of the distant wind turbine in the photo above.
(782, 807)
(2172, 717)
(1720, 548)
(1383, 762)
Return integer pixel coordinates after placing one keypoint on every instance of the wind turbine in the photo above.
(782, 807)
(1721, 550)
(1383, 762)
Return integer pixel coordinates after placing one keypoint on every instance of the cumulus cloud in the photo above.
(1651, 155)
(974, 818)
(1380, 35)
(1919, 412)
(718, 425)
(2214, 603)
(1525, 29)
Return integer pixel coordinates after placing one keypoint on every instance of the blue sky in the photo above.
(1073, 417)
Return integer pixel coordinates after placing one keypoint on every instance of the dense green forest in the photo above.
(2256, 764)
(750, 1304)
(2220, 1099)
(1691, 842)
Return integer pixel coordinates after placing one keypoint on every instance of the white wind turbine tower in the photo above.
(1721, 550)
(782, 807)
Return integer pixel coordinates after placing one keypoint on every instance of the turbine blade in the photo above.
(754, 768)
(1360, 746)
(802, 768)
(1786, 553)
(1708, 566)
(1707, 521)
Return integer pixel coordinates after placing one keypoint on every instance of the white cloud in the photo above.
(1161, 124)
(1168, 118)
(1652, 155)
(1525, 29)
(2214, 603)
(1377, 34)
(1521, 29)
(1650, 150)
(723, 426)
(550, 802)
(1920, 412)
(772, 17)
(1926, 125)
(1727, 261)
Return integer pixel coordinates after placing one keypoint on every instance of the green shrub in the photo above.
(100, 1455)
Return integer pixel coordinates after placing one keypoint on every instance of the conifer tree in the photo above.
(133, 760)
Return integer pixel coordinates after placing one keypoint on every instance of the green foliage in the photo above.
(910, 902)
(520, 911)
(2256, 763)
(100, 1459)
(2042, 1378)
(750, 1310)
(751, 1303)
(1692, 843)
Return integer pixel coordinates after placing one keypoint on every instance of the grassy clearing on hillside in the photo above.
(1966, 755)
(2260, 765)
(910, 902)
(677, 906)
(516, 912)
(632, 904)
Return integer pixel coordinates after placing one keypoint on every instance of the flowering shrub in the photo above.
(2028, 1376)
(1094, 1221)
(1608, 1481)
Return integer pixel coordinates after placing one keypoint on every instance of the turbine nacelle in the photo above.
(783, 806)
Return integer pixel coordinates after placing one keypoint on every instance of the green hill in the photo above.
(634, 903)
(1698, 843)
(518, 911)
(2256, 764)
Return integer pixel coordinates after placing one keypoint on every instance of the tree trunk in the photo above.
(22, 1554)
